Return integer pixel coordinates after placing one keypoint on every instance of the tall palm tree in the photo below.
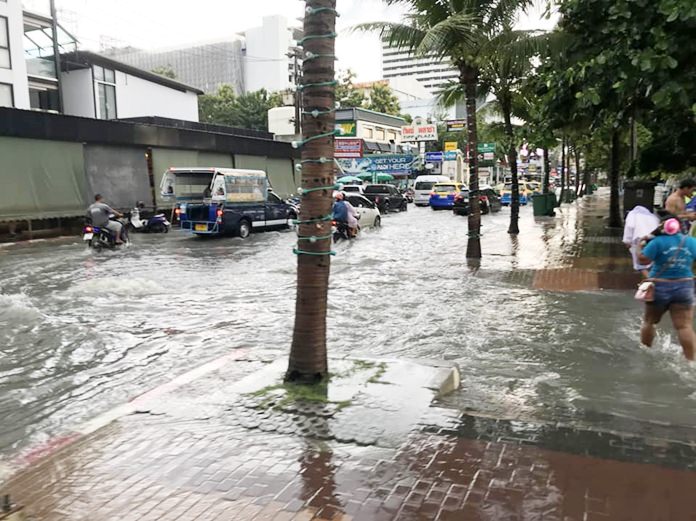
(505, 62)
(460, 31)
(308, 355)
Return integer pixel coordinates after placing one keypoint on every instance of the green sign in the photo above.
(486, 154)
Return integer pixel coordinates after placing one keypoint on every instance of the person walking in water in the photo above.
(672, 256)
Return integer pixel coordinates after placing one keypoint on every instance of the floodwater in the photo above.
(81, 332)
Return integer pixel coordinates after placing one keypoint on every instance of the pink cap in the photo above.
(671, 226)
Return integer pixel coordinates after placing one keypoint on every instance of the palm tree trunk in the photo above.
(563, 169)
(514, 228)
(469, 77)
(578, 185)
(547, 171)
(308, 355)
(614, 207)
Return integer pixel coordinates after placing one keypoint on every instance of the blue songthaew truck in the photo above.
(225, 201)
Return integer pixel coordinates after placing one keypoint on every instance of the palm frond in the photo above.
(402, 36)
(449, 36)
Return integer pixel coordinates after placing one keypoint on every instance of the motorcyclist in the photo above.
(344, 212)
(99, 213)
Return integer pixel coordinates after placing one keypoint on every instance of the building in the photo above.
(96, 86)
(28, 71)
(205, 66)
(51, 165)
(264, 57)
(406, 89)
(431, 72)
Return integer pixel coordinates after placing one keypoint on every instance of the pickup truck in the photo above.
(387, 198)
(233, 201)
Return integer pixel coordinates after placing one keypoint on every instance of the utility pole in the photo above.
(56, 52)
(295, 55)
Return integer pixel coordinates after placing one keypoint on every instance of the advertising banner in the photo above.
(450, 146)
(348, 148)
(427, 132)
(347, 128)
(434, 157)
(394, 164)
(456, 125)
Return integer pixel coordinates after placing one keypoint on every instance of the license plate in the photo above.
(201, 227)
(87, 236)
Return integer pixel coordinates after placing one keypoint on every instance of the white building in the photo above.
(269, 55)
(432, 73)
(28, 78)
(96, 86)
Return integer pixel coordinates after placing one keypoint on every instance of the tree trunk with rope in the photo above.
(514, 227)
(615, 220)
(308, 354)
(469, 79)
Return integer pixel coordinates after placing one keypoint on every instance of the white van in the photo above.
(424, 185)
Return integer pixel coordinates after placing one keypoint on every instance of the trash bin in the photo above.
(638, 193)
(544, 204)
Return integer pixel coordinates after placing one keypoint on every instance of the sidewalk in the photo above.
(202, 449)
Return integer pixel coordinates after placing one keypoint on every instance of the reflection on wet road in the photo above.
(81, 332)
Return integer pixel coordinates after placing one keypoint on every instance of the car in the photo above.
(386, 197)
(488, 199)
(442, 195)
(353, 189)
(423, 186)
(506, 194)
(368, 214)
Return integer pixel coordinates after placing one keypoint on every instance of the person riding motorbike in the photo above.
(99, 213)
(344, 212)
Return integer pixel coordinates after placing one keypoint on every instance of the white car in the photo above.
(368, 212)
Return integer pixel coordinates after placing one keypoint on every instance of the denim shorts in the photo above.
(668, 293)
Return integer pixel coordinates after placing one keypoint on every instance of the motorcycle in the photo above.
(155, 224)
(98, 238)
(340, 230)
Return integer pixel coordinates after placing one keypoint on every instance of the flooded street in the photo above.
(81, 332)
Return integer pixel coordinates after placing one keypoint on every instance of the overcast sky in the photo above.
(152, 24)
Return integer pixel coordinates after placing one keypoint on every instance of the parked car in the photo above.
(368, 214)
(386, 197)
(506, 194)
(353, 189)
(423, 186)
(442, 196)
(489, 201)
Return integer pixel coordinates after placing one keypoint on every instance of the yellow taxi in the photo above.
(526, 192)
(442, 194)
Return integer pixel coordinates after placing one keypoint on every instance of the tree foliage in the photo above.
(165, 70)
(382, 99)
(246, 111)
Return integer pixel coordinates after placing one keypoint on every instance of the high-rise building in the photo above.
(259, 58)
(205, 66)
(433, 73)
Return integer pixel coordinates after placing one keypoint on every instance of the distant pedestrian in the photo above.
(672, 255)
(676, 202)
(640, 222)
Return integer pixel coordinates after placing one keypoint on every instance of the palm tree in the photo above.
(461, 31)
(506, 61)
(308, 356)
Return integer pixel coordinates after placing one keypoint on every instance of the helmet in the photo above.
(671, 226)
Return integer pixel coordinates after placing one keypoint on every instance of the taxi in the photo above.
(506, 194)
(442, 195)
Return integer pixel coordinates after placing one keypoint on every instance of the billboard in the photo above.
(394, 164)
(426, 132)
(347, 128)
(348, 148)
(456, 125)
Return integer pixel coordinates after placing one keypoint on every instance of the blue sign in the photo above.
(394, 164)
(451, 155)
(434, 157)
